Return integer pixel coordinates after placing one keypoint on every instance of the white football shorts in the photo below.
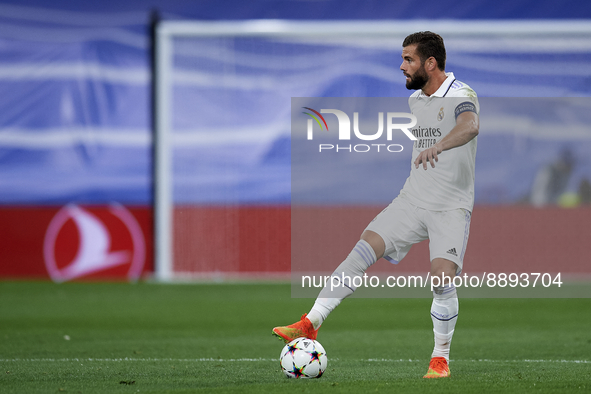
(402, 224)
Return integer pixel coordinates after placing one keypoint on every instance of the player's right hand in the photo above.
(429, 155)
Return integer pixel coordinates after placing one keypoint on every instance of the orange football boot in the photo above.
(438, 368)
(303, 328)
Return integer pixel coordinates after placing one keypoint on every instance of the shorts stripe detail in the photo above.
(391, 260)
(466, 233)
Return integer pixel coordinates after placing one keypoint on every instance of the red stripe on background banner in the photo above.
(265, 239)
(25, 232)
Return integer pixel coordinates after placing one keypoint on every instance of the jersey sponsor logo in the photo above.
(81, 241)
(424, 143)
(426, 132)
(426, 136)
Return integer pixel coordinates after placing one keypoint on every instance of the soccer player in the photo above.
(435, 203)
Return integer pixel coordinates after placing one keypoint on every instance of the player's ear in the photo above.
(431, 63)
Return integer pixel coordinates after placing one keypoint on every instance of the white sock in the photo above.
(444, 313)
(359, 260)
(321, 309)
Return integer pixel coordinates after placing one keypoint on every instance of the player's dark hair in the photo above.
(428, 44)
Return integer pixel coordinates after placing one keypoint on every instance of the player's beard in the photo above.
(418, 80)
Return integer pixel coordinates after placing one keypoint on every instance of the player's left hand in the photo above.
(429, 155)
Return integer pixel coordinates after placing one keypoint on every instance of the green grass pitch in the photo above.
(210, 338)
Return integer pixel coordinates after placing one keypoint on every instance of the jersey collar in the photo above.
(444, 88)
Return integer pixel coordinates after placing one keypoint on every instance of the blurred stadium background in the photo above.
(78, 120)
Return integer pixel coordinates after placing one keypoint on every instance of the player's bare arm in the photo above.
(467, 126)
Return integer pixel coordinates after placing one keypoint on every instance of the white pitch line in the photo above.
(268, 360)
(134, 359)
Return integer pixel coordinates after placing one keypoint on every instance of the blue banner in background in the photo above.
(75, 113)
(232, 139)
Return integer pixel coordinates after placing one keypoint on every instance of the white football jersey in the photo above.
(450, 184)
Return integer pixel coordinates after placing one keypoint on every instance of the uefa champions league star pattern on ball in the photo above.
(303, 358)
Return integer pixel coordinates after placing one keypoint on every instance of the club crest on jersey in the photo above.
(440, 115)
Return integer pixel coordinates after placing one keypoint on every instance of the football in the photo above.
(303, 358)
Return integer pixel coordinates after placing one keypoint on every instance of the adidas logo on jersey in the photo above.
(453, 251)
